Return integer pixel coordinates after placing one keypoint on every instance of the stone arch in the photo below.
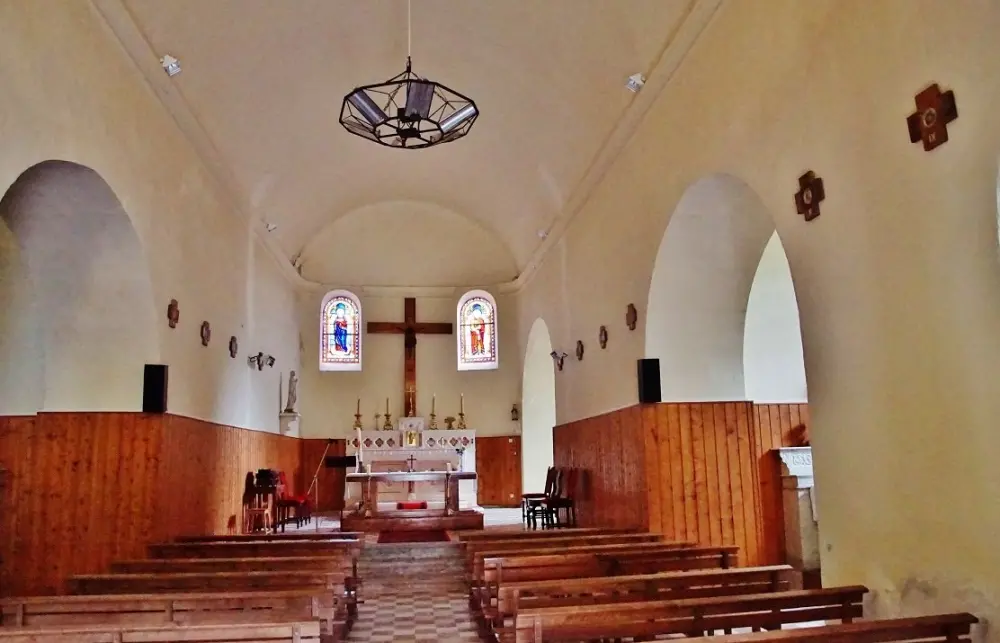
(538, 408)
(79, 337)
(714, 248)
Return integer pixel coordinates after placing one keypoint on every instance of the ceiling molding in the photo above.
(146, 60)
(698, 17)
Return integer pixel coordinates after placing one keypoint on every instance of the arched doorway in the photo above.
(538, 405)
(723, 321)
(78, 314)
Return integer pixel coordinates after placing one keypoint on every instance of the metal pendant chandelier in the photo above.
(408, 111)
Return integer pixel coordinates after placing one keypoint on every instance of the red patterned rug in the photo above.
(423, 536)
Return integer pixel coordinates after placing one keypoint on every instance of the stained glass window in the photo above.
(477, 332)
(340, 332)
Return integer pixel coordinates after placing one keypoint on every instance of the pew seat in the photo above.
(289, 536)
(297, 632)
(207, 581)
(249, 549)
(690, 617)
(195, 608)
(935, 628)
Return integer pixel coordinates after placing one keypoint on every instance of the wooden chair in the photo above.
(535, 506)
(565, 499)
(257, 507)
(287, 502)
(528, 498)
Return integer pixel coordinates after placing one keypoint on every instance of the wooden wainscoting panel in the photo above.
(498, 464)
(330, 483)
(705, 473)
(87, 488)
(610, 451)
(775, 427)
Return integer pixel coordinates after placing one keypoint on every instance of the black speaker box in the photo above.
(154, 388)
(649, 380)
(341, 462)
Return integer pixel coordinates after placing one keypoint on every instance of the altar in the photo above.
(412, 477)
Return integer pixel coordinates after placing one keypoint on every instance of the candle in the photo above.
(433, 401)
(387, 406)
(359, 407)
(461, 403)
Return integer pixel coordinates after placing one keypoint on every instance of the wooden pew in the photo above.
(691, 617)
(509, 598)
(179, 609)
(478, 558)
(943, 628)
(299, 632)
(499, 533)
(296, 535)
(497, 547)
(342, 564)
(207, 581)
(254, 549)
(602, 560)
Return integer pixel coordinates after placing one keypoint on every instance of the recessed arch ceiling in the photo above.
(264, 80)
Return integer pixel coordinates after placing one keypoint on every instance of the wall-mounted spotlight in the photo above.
(558, 358)
(170, 65)
(260, 360)
(635, 82)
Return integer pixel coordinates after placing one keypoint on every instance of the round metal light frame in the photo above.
(408, 112)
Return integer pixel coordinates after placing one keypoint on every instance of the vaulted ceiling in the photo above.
(263, 81)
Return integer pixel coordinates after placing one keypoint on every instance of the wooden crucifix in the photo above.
(409, 329)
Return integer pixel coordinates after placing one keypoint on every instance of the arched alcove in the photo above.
(538, 408)
(700, 286)
(773, 369)
(78, 338)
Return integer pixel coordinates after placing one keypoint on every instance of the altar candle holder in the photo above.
(357, 421)
(461, 422)
(434, 421)
(387, 425)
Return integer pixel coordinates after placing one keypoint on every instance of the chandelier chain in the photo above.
(409, 27)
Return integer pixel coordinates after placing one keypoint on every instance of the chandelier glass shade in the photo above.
(408, 112)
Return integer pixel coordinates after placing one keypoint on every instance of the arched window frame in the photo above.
(492, 361)
(353, 365)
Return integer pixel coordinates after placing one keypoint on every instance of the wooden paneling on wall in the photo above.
(610, 449)
(693, 471)
(498, 463)
(702, 475)
(86, 488)
(330, 482)
(775, 426)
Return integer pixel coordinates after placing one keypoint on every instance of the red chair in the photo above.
(286, 502)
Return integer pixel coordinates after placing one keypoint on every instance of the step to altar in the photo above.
(412, 520)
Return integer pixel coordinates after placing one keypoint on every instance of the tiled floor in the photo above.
(414, 613)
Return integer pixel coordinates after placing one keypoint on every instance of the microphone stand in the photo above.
(315, 479)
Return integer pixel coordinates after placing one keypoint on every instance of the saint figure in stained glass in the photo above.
(477, 337)
(340, 339)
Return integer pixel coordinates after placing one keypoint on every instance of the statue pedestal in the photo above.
(799, 508)
(288, 423)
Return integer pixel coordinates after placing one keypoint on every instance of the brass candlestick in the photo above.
(434, 421)
(357, 421)
(461, 422)
(387, 425)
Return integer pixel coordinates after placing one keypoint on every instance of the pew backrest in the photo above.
(277, 537)
(299, 632)
(500, 533)
(935, 628)
(267, 548)
(343, 563)
(209, 581)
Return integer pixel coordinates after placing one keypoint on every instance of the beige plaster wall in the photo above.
(70, 93)
(329, 398)
(897, 282)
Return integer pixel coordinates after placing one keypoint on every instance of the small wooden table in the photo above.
(370, 482)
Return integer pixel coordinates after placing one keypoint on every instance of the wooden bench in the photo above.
(297, 535)
(506, 599)
(943, 628)
(602, 560)
(180, 609)
(690, 617)
(500, 546)
(496, 533)
(204, 582)
(343, 564)
(297, 632)
(258, 549)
